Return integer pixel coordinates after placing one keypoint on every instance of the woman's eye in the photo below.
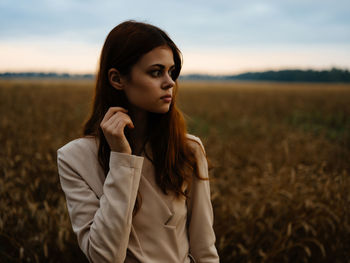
(156, 73)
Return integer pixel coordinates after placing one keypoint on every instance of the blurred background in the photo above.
(264, 84)
(221, 37)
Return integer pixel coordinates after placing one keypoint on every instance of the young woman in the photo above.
(136, 183)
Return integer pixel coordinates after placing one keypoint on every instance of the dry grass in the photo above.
(279, 186)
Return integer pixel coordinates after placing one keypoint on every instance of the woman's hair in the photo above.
(173, 159)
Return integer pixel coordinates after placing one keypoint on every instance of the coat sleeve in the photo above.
(200, 213)
(102, 225)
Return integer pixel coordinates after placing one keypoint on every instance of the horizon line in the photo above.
(183, 74)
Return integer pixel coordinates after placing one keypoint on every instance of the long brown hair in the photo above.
(172, 156)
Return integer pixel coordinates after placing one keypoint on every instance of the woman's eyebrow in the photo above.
(161, 66)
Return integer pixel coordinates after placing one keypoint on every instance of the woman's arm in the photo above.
(102, 225)
(200, 213)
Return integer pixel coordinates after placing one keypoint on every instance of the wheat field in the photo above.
(280, 157)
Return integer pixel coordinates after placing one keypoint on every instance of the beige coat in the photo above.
(165, 229)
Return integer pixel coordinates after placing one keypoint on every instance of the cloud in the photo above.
(210, 22)
(210, 26)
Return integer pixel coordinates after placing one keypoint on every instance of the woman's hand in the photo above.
(112, 125)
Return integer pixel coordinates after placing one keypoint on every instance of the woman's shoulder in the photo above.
(82, 146)
(195, 143)
(78, 160)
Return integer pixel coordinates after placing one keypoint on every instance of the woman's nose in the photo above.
(168, 82)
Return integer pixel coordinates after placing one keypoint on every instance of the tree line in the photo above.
(297, 75)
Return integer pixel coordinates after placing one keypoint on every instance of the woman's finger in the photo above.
(111, 111)
(115, 118)
(119, 128)
(112, 119)
(127, 122)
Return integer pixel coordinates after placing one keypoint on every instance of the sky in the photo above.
(215, 37)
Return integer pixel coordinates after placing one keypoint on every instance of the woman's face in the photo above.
(150, 80)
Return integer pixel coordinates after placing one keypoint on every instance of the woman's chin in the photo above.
(162, 110)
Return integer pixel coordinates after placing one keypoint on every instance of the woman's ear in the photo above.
(115, 79)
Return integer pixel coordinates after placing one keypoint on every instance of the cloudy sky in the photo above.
(216, 37)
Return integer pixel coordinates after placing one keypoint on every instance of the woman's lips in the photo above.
(166, 98)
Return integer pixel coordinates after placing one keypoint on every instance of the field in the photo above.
(280, 177)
